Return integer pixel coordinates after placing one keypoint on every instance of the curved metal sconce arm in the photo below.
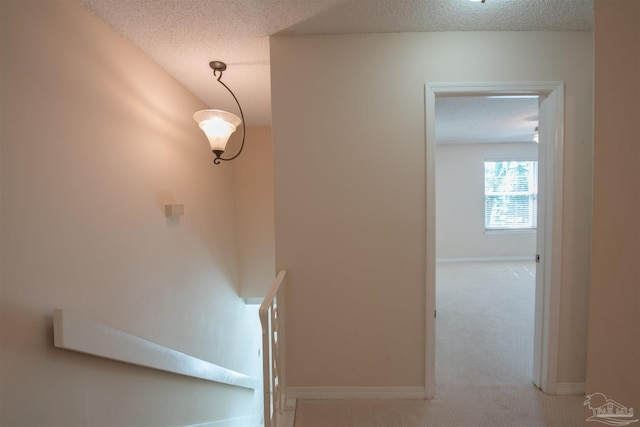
(218, 67)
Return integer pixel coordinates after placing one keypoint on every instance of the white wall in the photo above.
(460, 229)
(95, 140)
(349, 165)
(614, 303)
(254, 213)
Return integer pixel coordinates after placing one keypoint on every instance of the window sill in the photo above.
(511, 231)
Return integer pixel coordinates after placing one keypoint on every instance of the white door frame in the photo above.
(549, 233)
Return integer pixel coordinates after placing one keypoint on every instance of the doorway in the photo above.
(486, 199)
(549, 215)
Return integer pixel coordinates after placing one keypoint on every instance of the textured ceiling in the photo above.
(482, 119)
(182, 36)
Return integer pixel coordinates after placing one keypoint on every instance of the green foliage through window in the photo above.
(510, 194)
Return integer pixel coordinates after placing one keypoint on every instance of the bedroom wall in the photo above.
(96, 138)
(349, 165)
(460, 232)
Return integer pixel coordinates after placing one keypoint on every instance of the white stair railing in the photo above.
(272, 320)
(76, 332)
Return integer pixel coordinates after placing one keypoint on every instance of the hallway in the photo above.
(483, 361)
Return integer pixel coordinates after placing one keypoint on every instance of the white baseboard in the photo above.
(487, 258)
(251, 420)
(570, 388)
(360, 393)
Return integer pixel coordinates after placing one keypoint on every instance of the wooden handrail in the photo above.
(273, 290)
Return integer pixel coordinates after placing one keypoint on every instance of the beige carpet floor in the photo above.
(483, 361)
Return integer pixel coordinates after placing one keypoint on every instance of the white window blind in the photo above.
(510, 194)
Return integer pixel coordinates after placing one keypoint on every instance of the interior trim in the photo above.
(361, 393)
(549, 235)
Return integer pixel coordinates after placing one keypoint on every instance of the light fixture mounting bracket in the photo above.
(217, 66)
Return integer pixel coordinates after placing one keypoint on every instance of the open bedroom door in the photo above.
(549, 219)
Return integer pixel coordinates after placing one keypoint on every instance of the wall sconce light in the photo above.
(218, 125)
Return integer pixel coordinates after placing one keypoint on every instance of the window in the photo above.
(510, 195)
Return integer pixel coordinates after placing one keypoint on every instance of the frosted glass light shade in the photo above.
(218, 125)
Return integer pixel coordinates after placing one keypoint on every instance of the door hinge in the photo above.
(434, 314)
(538, 258)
